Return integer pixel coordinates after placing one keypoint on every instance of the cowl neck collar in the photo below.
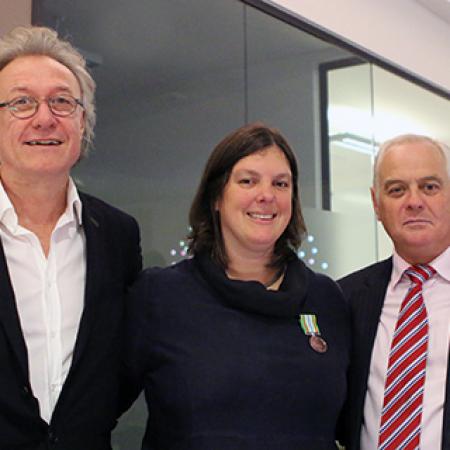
(252, 296)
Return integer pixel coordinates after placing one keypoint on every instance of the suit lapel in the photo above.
(366, 311)
(95, 254)
(9, 317)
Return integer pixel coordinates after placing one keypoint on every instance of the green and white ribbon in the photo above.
(309, 325)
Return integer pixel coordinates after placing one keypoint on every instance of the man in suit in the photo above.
(66, 258)
(399, 388)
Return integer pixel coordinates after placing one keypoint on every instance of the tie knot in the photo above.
(420, 273)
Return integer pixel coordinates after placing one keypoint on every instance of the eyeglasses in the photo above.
(26, 107)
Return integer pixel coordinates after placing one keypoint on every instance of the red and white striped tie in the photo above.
(403, 391)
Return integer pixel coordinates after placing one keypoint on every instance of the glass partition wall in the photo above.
(175, 77)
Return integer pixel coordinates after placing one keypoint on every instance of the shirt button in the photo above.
(25, 390)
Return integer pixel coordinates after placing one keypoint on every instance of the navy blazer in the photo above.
(85, 412)
(365, 290)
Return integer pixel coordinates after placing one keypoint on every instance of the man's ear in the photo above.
(376, 208)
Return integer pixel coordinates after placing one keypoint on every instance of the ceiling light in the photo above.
(354, 142)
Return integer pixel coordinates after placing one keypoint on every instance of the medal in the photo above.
(318, 344)
(309, 325)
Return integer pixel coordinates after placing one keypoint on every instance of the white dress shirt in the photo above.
(436, 295)
(49, 293)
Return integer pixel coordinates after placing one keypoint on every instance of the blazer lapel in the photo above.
(9, 317)
(95, 254)
(366, 311)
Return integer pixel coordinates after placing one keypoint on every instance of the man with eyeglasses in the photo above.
(66, 258)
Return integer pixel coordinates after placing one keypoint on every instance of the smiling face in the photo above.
(413, 200)
(256, 203)
(43, 146)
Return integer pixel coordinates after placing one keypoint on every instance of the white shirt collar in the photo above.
(441, 264)
(74, 206)
(7, 214)
(73, 212)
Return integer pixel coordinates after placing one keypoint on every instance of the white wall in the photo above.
(400, 31)
(13, 13)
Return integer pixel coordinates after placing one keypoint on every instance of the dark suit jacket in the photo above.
(365, 290)
(86, 409)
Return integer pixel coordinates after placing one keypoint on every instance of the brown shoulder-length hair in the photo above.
(206, 235)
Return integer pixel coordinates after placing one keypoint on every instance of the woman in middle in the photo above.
(241, 347)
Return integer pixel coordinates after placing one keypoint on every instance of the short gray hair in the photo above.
(27, 41)
(408, 139)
